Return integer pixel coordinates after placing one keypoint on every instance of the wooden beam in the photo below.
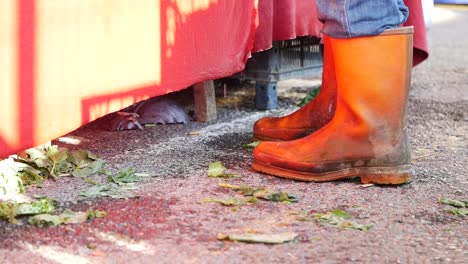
(205, 101)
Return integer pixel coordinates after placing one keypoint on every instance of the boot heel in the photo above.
(396, 177)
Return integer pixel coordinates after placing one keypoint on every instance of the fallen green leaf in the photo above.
(42, 205)
(231, 201)
(303, 216)
(309, 97)
(278, 238)
(455, 207)
(97, 191)
(453, 202)
(315, 239)
(262, 193)
(9, 210)
(354, 226)
(281, 197)
(30, 176)
(74, 217)
(44, 220)
(251, 145)
(105, 172)
(95, 214)
(456, 211)
(67, 217)
(124, 176)
(340, 219)
(82, 157)
(90, 181)
(108, 190)
(91, 245)
(78, 157)
(55, 162)
(92, 156)
(58, 157)
(89, 169)
(38, 158)
(244, 189)
(216, 169)
(341, 214)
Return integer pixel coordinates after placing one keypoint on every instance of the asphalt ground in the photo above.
(168, 222)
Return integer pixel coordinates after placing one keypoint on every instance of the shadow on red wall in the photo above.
(97, 106)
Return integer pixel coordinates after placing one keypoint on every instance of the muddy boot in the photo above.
(367, 136)
(310, 117)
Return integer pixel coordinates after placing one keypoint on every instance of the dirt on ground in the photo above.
(167, 220)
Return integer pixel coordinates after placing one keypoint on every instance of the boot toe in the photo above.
(275, 154)
(265, 129)
(278, 129)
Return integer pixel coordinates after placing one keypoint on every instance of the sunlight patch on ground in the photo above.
(58, 255)
(70, 140)
(125, 242)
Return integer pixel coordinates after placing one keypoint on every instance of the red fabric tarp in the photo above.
(288, 19)
(65, 64)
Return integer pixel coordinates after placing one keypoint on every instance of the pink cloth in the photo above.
(285, 19)
(288, 19)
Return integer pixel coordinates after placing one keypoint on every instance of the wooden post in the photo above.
(205, 101)
(266, 95)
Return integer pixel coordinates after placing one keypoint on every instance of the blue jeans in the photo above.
(356, 18)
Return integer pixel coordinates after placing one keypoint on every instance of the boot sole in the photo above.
(375, 175)
(260, 138)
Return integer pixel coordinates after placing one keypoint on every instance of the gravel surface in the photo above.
(169, 222)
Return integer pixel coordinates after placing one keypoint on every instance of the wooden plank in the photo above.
(205, 101)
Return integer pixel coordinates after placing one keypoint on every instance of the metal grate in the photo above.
(286, 59)
(299, 53)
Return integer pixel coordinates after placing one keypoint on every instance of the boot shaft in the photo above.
(373, 76)
(367, 135)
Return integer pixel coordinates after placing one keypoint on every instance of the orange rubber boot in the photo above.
(310, 117)
(367, 136)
